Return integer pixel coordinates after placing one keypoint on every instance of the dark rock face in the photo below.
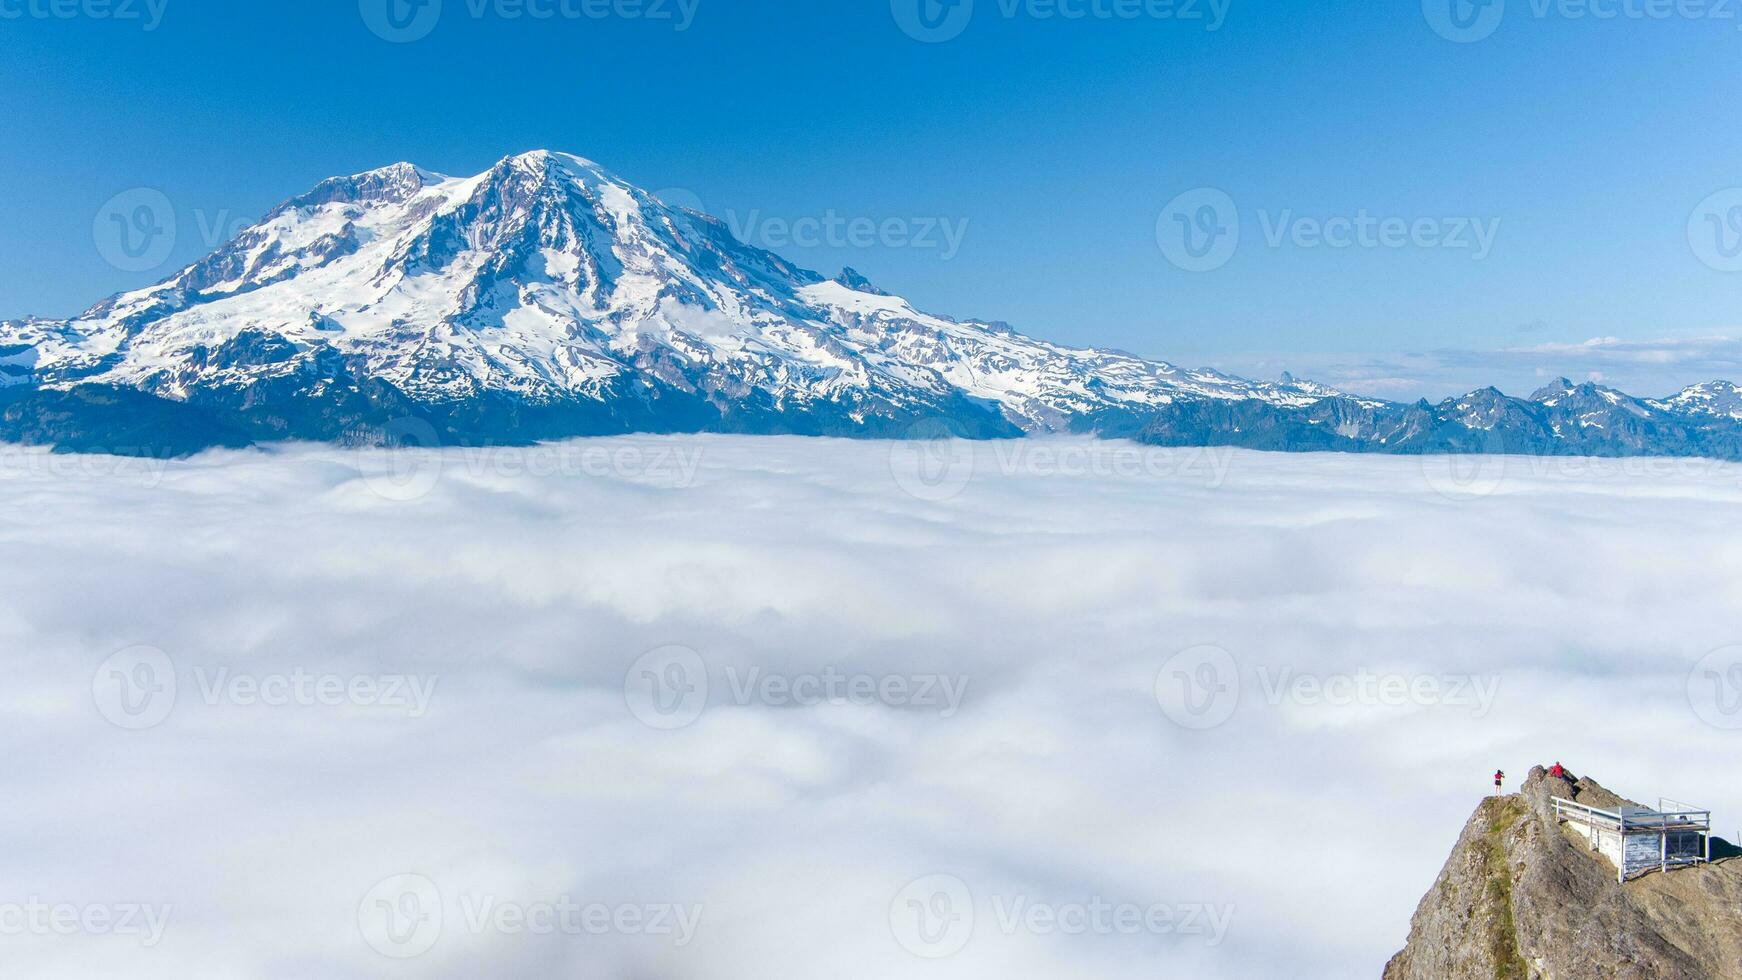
(547, 298)
(1522, 897)
(113, 421)
(852, 279)
(350, 411)
(1582, 420)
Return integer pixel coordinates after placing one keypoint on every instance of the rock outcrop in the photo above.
(1523, 897)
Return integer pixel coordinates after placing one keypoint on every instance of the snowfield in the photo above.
(549, 279)
(716, 708)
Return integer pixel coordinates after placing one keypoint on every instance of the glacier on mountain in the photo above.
(547, 298)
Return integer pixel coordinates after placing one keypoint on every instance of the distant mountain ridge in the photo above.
(1562, 418)
(547, 298)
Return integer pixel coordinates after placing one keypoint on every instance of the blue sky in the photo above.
(1524, 191)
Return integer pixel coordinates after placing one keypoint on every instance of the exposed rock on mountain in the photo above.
(1522, 896)
(1560, 419)
(546, 297)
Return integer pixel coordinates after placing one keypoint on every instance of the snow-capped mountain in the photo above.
(1717, 399)
(546, 297)
(1561, 418)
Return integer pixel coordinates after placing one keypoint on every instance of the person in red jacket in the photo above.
(1558, 771)
(1499, 780)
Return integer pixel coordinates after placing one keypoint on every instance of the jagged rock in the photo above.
(1522, 897)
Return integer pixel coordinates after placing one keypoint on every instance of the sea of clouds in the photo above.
(722, 708)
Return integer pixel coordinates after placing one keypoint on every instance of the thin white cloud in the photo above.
(1646, 368)
(1308, 822)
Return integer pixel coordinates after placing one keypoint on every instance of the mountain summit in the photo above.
(1523, 896)
(548, 297)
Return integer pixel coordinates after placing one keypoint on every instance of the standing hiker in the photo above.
(1499, 780)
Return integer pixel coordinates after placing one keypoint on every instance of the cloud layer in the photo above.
(1217, 714)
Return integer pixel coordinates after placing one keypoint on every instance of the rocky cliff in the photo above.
(1523, 897)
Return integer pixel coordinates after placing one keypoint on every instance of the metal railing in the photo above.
(1669, 818)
